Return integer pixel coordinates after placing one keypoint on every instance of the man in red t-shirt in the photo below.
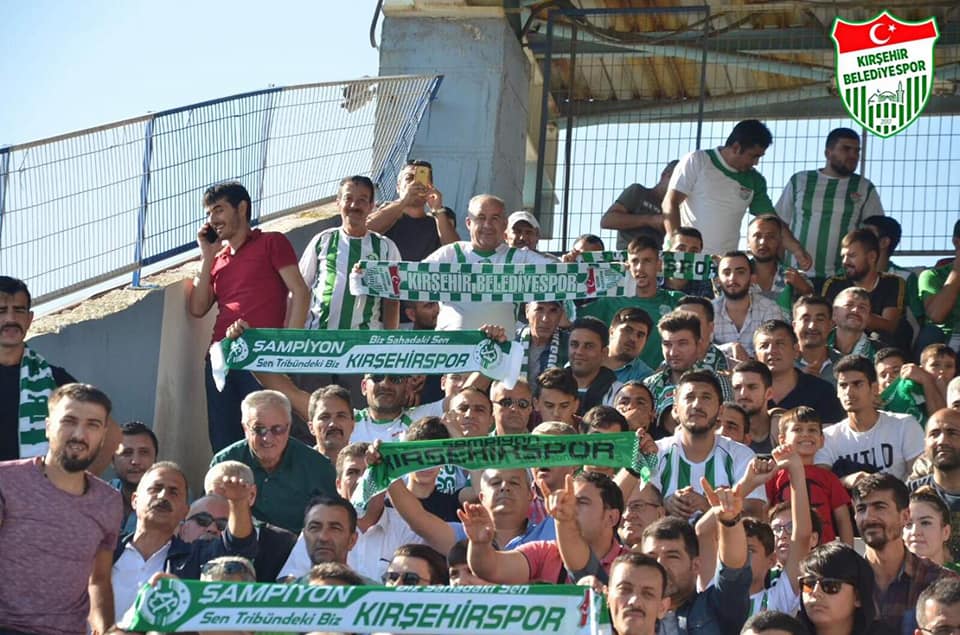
(249, 274)
(802, 429)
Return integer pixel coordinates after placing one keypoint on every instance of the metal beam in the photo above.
(695, 53)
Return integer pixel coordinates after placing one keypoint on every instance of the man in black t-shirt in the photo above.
(27, 380)
(418, 222)
(637, 212)
(860, 251)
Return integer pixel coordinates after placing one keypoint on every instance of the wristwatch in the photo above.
(732, 522)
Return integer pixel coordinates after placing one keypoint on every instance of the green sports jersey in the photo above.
(929, 284)
(820, 210)
(656, 307)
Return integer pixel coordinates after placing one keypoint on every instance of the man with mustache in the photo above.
(881, 508)
(206, 519)
(137, 452)
(384, 417)
(637, 594)
(942, 449)
(851, 308)
(331, 420)
(27, 380)
(59, 524)
(812, 321)
(739, 309)
(161, 505)
(860, 251)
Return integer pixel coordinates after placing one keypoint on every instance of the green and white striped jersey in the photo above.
(326, 265)
(726, 464)
(820, 210)
(368, 429)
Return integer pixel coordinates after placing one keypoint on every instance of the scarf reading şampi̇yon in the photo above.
(485, 282)
(174, 605)
(511, 451)
(361, 352)
(36, 384)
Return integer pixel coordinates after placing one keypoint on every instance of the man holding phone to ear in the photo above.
(417, 221)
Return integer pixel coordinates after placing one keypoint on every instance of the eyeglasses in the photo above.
(263, 431)
(509, 402)
(830, 586)
(785, 528)
(393, 379)
(640, 506)
(407, 578)
(205, 519)
(231, 567)
(944, 629)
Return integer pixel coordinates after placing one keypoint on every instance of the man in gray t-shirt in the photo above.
(637, 211)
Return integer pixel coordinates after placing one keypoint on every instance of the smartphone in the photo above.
(211, 235)
(423, 174)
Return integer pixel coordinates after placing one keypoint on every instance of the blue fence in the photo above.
(86, 207)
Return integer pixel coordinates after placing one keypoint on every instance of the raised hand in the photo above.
(647, 444)
(726, 501)
(477, 523)
(373, 453)
(785, 457)
(561, 504)
(494, 332)
(235, 489)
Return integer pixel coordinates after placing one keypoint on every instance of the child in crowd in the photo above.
(802, 429)
(927, 532)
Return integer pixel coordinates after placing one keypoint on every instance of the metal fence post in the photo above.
(144, 196)
(4, 171)
(265, 127)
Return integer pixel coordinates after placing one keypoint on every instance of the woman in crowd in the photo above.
(927, 532)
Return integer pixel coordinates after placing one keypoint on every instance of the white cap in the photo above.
(524, 216)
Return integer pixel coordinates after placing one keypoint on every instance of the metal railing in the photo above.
(86, 207)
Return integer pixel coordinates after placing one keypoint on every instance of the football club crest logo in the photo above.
(885, 70)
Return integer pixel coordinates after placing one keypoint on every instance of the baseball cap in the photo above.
(524, 216)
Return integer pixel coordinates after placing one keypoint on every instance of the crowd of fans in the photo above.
(801, 404)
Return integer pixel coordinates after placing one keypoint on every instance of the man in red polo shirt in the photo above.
(249, 274)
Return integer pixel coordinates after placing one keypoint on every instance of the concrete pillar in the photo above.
(475, 132)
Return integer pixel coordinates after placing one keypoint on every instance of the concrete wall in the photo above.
(475, 131)
(149, 358)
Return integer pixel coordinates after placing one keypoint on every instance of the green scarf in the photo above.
(36, 385)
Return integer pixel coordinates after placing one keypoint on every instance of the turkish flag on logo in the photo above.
(395, 279)
(591, 281)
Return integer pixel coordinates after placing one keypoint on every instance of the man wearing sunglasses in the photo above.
(512, 407)
(286, 471)
(161, 506)
(384, 417)
(881, 509)
(206, 520)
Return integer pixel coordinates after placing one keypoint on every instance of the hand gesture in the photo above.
(785, 457)
(724, 500)
(647, 445)
(594, 583)
(477, 523)
(207, 249)
(236, 329)
(435, 199)
(804, 261)
(373, 453)
(570, 256)
(415, 194)
(494, 332)
(561, 504)
(235, 489)
(913, 372)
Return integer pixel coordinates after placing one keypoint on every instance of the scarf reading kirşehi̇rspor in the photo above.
(511, 451)
(361, 352)
(36, 385)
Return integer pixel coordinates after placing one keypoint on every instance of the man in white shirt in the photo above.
(695, 450)
(487, 222)
(868, 440)
(712, 189)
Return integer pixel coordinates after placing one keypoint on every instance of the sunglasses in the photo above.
(205, 519)
(393, 379)
(508, 402)
(830, 586)
(263, 431)
(232, 567)
(785, 528)
(407, 578)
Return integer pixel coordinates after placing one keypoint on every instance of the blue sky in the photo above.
(68, 64)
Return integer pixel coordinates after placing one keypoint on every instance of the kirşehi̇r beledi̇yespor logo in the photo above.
(885, 70)
(163, 606)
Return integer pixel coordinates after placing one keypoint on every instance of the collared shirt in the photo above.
(633, 371)
(130, 571)
(898, 601)
(726, 332)
(720, 609)
(372, 553)
(826, 368)
(283, 493)
(543, 559)
(862, 346)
